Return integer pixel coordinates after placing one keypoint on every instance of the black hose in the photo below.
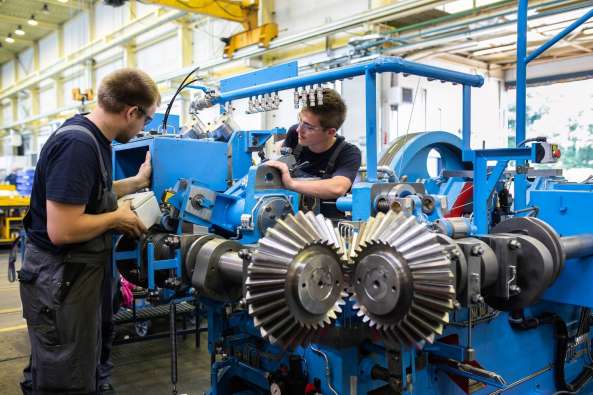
(561, 334)
(519, 322)
(181, 87)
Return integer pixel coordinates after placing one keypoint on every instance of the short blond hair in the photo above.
(127, 86)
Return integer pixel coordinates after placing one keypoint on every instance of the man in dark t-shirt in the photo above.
(73, 211)
(321, 153)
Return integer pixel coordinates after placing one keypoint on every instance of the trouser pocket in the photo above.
(63, 326)
(56, 368)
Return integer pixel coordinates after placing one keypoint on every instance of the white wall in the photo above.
(6, 113)
(47, 99)
(206, 38)
(25, 62)
(76, 32)
(105, 69)
(297, 16)
(159, 58)
(48, 50)
(108, 19)
(8, 75)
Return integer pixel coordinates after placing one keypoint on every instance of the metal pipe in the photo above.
(522, 380)
(467, 153)
(521, 101)
(231, 266)
(327, 369)
(577, 246)
(379, 65)
(559, 36)
(370, 85)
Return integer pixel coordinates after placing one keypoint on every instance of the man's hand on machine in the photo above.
(287, 179)
(127, 222)
(144, 172)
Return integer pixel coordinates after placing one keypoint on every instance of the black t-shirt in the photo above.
(68, 171)
(347, 164)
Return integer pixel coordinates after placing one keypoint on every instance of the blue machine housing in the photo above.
(481, 351)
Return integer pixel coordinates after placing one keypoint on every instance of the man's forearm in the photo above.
(129, 185)
(322, 189)
(83, 228)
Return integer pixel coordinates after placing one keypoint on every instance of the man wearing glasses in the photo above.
(72, 214)
(321, 153)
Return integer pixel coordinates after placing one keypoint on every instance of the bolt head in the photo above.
(477, 251)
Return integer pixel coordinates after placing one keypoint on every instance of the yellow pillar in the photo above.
(60, 36)
(14, 103)
(89, 74)
(185, 39)
(92, 25)
(130, 54)
(15, 65)
(35, 102)
(59, 90)
(133, 10)
(267, 8)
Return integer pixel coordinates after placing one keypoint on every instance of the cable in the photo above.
(539, 139)
(181, 86)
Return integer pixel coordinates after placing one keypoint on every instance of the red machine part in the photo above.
(464, 199)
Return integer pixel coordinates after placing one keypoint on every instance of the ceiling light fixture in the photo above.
(45, 9)
(19, 31)
(63, 1)
(9, 38)
(32, 21)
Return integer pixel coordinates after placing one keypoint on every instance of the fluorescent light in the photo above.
(32, 21)
(9, 38)
(63, 1)
(19, 31)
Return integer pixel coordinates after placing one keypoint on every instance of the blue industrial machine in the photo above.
(434, 285)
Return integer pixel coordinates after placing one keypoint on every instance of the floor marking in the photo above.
(13, 328)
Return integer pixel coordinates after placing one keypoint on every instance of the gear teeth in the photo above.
(270, 287)
(412, 248)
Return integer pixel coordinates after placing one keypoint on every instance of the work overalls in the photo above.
(61, 297)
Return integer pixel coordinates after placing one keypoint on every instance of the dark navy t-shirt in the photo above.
(346, 165)
(68, 171)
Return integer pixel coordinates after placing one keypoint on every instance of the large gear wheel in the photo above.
(295, 283)
(402, 282)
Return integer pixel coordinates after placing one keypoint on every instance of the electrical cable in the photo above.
(181, 86)
(539, 139)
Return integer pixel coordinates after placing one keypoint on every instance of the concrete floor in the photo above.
(140, 368)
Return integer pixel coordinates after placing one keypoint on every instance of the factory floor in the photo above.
(140, 368)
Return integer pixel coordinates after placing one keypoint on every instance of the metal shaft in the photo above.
(231, 266)
(578, 246)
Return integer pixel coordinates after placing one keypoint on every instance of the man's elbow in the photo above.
(58, 237)
(339, 190)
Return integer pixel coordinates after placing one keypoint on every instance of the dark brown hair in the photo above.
(332, 112)
(132, 87)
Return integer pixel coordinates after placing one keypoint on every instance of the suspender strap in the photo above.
(331, 163)
(296, 152)
(78, 128)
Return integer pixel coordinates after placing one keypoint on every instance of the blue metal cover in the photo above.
(259, 77)
(569, 214)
